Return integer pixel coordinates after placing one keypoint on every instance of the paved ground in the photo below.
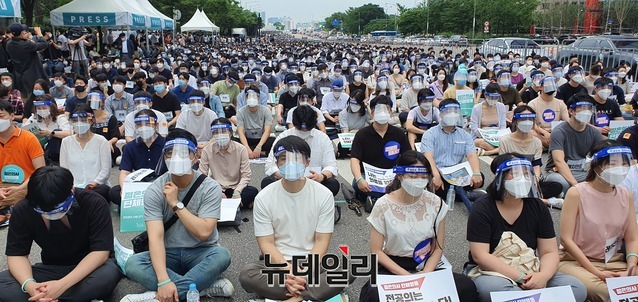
(351, 230)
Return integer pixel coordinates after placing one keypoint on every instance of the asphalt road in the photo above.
(351, 230)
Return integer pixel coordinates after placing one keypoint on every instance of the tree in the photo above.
(357, 18)
(279, 26)
(339, 16)
(621, 10)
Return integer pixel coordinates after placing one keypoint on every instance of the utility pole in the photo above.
(474, 21)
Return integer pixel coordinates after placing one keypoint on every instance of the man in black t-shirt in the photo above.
(73, 227)
(165, 101)
(569, 89)
(607, 109)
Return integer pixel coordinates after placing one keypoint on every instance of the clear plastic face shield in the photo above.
(614, 163)
(515, 177)
(59, 211)
(557, 72)
(537, 79)
(145, 127)
(505, 79)
(81, 122)
(414, 179)
(492, 98)
(613, 76)
(549, 84)
(524, 121)
(142, 103)
(178, 156)
(292, 165)
(460, 79)
(43, 108)
(204, 86)
(196, 104)
(426, 102)
(221, 134)
(381, 114)
(472, 76)
(382, 82)
(583, 111)
(95, 100)
(450, 114)
(417, 82)
(252, 98)
(304, 99)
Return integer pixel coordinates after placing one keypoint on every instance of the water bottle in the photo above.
(449, 200)
(193, 294)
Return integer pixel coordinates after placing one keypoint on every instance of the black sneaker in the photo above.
(370, 201)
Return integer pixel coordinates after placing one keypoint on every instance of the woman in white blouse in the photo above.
(489, 114)
(408, 227)
(86, 155)
(50, 126)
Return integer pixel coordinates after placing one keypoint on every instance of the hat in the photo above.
(337, 84)
(574, 69)
(17, 28)
(291, 77)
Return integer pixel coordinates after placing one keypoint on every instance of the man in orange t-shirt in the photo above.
(20, 155)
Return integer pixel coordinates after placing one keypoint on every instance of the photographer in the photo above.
(77, 46)
(52, 56)
(23, 51)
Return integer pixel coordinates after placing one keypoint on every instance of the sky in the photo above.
(317, 10)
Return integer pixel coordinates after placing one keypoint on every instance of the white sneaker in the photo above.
(118, 160)
(556, 203)
(280, 128)
(145, 297)
(221, 288)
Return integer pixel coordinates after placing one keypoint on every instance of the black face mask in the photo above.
(80, 88)
(131, 71)
(550, 93)
(139, 83)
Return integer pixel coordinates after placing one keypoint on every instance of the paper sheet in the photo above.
(228, 209)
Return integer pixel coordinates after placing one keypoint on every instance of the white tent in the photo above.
(158, 20)
(108, 13)
(199, 22)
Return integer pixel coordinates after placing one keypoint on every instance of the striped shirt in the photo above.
(448, 148)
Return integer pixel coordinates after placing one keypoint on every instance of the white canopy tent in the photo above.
(108, 13)
(158, 20)
(200, 22)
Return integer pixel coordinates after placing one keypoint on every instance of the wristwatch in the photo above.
(178, 206)
(53, 133)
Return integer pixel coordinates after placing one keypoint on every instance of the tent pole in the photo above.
(55, 37)
(146, 34)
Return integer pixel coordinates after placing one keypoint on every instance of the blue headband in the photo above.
(410, 170)
(142, 98)
(42, 103)
(221, 127)
(493, 94)
(450, 106)
(182, 142)
(141, 119)
(427, 97)
(62, 207)
(581, 103)
(81, 115)
(196, 97)
(524, 115)
(513, 162)
(611, 151)
(96, 94)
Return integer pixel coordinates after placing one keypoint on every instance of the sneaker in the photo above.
(221, 288)
(280, 128)
(555, 203)
(118, 160)
(145, 297)
(370, 201)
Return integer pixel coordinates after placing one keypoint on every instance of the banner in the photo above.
(346, 140)
(550, 294)
(466, 99)
(138, 21)
(434, 286)
(132, 209)
(623, 289)
(493, 136)
(377, 178)
(10, 9)
(616, 127)
(458, 175)
(88, 19)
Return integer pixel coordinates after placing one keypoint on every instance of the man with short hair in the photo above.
(569, 89)
(120, 103)
(80, 97)
(594, 74)
(607, 109)
(323, 84)
(23, 52)
(549, 108)
(334, 102)
(254, 123)
(189, 251)
(73, 227)
(228, 90)
(196, 118)
(60, 90)
(182, 90)
(143, 100)
(165, 101)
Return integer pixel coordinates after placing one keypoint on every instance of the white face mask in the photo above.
(4, 125)
(471, 78)
(81, 128)
(44, 113)
(303, 134)
(315, 73)
(604, 93)
(382, 117)
(294, 89)
(622, 75)
(440, 77)
(58, 83)
(142, 107)
(355, 108)
(417, 85)
(145, 132)
(337, 94)
(160, 65)
(518, 188)
(179, 166)
(95, 104)
(252, 102)
(222, 139)
(450, 119)
(525, 126)
(414, 186)
(614, 176)
(492, 102)
(382, 85)
(426, 106)
(7, 83)
(205, 90)
(196, 107)
(584, 116)
(118, 88)
(357, 78)
(577, 78)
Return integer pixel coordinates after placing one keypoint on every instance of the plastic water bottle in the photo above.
(449, 200)
(193, 294)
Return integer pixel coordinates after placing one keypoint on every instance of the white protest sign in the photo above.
(493, 136)
(346, 140)
(458, 175)
(550, 294)
(377, 178)
(434, 286)
(229, 209)
(616, 127)
(132, 207)
(138, 175)
(623, 289)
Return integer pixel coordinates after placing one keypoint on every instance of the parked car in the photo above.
(522, 46)
(611, 50)
(458, 40)
(441, 41)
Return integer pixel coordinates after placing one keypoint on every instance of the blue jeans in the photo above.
(200, 265)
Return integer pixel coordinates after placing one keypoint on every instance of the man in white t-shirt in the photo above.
(143, 100)
(293, 217)
(197, 119)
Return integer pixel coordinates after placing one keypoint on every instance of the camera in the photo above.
(76, 32)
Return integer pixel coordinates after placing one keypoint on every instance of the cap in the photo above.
(17, 28)
(292, 78)
(337, 84)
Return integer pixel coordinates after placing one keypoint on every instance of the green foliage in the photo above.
(340, 16)
(279, 26)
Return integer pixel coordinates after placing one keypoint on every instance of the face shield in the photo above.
(414, 179)
(616, 168)
(516, 178)
(549, 84)
(81, 122)
(95, 100)
(450, 114)
(145, 127)
(460, 79)
(252, 98)
(537, 79)
(304, 99)
(178, 155)
(221, 134)
(43, 108)
(505, 79)
(472, 76)
(292, 165)
(381, 114)
(583, 111)
(382, 82)
(59, 211)
(142, 103)
(524, 121)
(492, 98)
(196, 103)
(417, 82)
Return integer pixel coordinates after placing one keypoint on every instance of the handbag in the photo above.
(140, 242)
